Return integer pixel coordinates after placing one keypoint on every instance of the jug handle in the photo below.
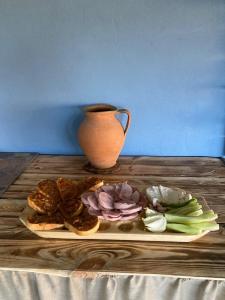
(125, 111)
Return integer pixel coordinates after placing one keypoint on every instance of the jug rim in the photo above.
(100, 108)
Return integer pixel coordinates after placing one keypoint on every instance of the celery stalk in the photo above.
(185, 210)
(183, 228)
(205, 217)
(179, 205)
(195, 213)
(212, 226)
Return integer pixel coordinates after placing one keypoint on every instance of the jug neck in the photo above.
(100, 111)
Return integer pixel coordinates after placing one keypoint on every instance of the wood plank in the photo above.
(133, 170)
(154, 160)
(33, 179)
(124, 257)
(11, 208)
(11, 166)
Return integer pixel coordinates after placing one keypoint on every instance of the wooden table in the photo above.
(21, 249)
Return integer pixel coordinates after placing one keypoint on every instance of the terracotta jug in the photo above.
(101, 135)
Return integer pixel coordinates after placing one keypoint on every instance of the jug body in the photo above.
(101, 135)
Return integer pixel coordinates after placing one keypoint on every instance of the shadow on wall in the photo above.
(61, 122)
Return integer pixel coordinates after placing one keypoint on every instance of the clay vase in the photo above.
(101, 135)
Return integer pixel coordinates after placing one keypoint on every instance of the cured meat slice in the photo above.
(131, 210)
(135, 196)
(129, 217)
(124, 205)
(105, 200)
(111, 213)
(109, 218)
(114, 202)
(92, 201)
(94, 212)
(84, 197)
(126, 191)
(108, 188)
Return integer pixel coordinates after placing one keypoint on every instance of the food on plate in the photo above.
(41, 203)
(186, 218)
(154, 221)
(207, 216)
(90, 184)
(191, 208)
(84, 224)
(56, 202)
(49, 188)
(196, 228)
(38, 221)
(67, 188)
(115, 202)
(70, 190)
(71, 207)
(161, 197)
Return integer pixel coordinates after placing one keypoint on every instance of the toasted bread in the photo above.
(49, 188)
(84, 224)
(89, 184)
(71, 208)
(67, 189)
(37, 221)
(41, 203)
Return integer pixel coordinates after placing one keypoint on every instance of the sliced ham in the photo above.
(114, 202)
(131, 210)
(129, 217)
(135, 196)
(124, 205)
(93, 202)
(111, 213)
(113, 218)
(84, 198)
(107, 188)
(105, 200)
(94, 212)
(126, 191)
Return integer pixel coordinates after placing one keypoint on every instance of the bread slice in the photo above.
(41, 203)
(36, 221)
(71, 208)
(49, 188)
(84, 224)
(67, 189)
(89, 184)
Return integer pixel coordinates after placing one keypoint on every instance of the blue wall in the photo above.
(164, 60)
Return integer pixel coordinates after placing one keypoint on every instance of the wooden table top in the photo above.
(21, 249)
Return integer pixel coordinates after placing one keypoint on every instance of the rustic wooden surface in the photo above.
(11, 166)
(19, 248)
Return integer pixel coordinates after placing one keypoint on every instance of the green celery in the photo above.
(195, 213)
(183, 228)
(211, 226)
(205, 217)
(185, 209)
(178, 205)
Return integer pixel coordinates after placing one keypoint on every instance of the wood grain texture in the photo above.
(11, 166)
(135, 258)
(204, 257)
